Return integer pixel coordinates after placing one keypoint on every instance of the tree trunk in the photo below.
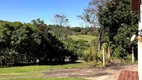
(108, 52)
(99, 41)
(99, 46)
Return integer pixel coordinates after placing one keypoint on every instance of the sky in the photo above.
(27, 10)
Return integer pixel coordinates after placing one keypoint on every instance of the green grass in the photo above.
(14, 73)
(40, 68)
(36, 71)
(22, 74)
(88, 38)
(45, 79)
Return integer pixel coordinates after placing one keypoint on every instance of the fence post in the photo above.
(108, 52)
(132, 54)
(103, 51)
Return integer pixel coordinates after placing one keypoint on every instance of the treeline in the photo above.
(37, 42)
(64, 32)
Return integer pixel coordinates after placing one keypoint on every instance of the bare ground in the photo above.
(105, 73)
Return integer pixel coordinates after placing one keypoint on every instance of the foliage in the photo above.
(61, 20)
(27, 42)
(77, 46)
(90, 16)
(119, 25)
(89, 55)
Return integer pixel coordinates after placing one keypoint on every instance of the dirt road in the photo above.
(106, 73)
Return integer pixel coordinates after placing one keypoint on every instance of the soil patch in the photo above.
(106, 73)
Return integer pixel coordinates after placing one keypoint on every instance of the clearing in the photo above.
(88, 38)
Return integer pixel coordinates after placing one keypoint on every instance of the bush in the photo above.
(91, 55)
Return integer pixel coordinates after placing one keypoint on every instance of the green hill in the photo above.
(88, 38)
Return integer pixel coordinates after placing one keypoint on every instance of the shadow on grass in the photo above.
(48, 63)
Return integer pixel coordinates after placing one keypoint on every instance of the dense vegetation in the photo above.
(116, 26)
(37, 42)
(119, 24)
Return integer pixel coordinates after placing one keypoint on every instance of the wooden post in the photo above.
(133, 55)
(103, 51)
(108, 52)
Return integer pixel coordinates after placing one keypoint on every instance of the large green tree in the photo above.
(119, 25)
(90, 16)
(27, 42)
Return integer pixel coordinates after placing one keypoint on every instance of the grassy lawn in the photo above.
(41, 68)
(88, 38)
(36, 71)
(45, 79)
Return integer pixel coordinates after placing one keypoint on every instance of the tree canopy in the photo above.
(27, 42)
(119, 25)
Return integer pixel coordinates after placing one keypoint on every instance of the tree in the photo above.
(90, 16)
(119, 25)
(61, 20)
(53, 49)
(25, 43)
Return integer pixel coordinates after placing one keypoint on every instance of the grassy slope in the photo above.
(88, 38)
